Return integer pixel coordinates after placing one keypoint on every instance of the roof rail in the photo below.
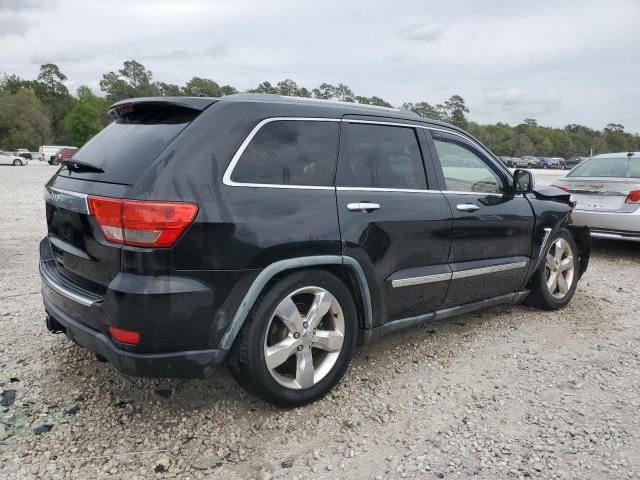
(284, 98)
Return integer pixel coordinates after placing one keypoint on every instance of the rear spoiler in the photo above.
(193, 103)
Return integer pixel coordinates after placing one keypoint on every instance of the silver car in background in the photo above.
(8, 158)
(606, 189)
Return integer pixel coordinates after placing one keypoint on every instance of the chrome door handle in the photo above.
(467, 207)
(363, 206)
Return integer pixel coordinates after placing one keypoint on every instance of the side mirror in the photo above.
(523, 181)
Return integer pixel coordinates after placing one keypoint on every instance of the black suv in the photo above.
(273, 234)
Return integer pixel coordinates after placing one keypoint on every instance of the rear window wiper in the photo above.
(80, 166)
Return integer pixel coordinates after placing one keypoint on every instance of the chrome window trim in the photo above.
(226, 178)
(406, 282)
(480, 194)
(483, 149)
(486, 270)
(376, 189)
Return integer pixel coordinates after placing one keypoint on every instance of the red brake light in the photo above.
(561, 187)
(108, 213)
(142, 223)
(633, 197)
(129, 337)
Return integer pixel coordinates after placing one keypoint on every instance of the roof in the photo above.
(338, 108)
(617, 155)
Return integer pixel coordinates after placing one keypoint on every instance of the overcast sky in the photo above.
(559, 61)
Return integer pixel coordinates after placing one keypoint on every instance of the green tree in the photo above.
(132, 80)
(289, 88)
(86, 117)
(12, 83)
(264, 87)
(228, 90)
(202, 87)
(456, 109)
(167, 89)
(425, 109)
(24, 121)
(373, 101)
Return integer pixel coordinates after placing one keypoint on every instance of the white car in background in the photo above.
(606, 189)
(48, 153)
(8, 158)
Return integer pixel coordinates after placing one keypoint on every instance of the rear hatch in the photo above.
(108, 166)
(605, 184)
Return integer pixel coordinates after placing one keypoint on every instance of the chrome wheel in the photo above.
(304, 338)
(559, 268)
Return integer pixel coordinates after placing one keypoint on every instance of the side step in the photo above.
(404, 323)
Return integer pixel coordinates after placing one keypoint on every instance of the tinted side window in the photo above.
(380, 156)
(290, 152)
(464, 170)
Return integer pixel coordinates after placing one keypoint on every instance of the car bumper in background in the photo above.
(618, 226)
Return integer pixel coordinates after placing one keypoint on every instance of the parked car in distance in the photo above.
(63, 154)
(573, 161)
(294, 229)
(549, 162)
(24, 153)
(532, 162)
(606, 189)
(8, 158)
(48, 153)
(518, 163)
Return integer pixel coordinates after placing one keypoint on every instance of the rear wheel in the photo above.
(298, 339)
(17, 163)
(555, 281)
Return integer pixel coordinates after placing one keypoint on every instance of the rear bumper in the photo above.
(619, 226)
(616, 235)
(184, 364)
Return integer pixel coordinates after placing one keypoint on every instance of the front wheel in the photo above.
(555, 281)
(298, 340)
(17, 163)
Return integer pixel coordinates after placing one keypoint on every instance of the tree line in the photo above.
(43, 111)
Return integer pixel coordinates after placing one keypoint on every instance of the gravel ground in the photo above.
(511, 392)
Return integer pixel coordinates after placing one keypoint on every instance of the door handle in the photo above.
(363, 206)
(467, 207)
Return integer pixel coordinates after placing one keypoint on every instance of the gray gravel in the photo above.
(507, 393)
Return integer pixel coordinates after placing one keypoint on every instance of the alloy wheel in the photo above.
(304, 338)
(559, 268)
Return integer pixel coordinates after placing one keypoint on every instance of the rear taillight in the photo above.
(633, 197)
(561, 187)
(141, 223)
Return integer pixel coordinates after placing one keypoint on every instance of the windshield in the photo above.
(608, 167)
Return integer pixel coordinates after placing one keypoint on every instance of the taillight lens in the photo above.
(141, 223)
(130, 337)
(633, 197)
(561, 187)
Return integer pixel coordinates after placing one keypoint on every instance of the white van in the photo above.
(48, 152)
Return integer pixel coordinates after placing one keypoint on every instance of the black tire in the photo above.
(17, 163)
(540, 296)
(247, 359)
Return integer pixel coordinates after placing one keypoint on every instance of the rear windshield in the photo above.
(608, 167)
(125, 148)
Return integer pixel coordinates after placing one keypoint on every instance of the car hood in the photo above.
(552, 193)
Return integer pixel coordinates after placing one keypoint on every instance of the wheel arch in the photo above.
(346, 268)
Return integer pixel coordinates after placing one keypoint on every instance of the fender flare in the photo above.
(274, 269)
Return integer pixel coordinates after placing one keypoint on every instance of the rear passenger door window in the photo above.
(290, 153)
(381, 156)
